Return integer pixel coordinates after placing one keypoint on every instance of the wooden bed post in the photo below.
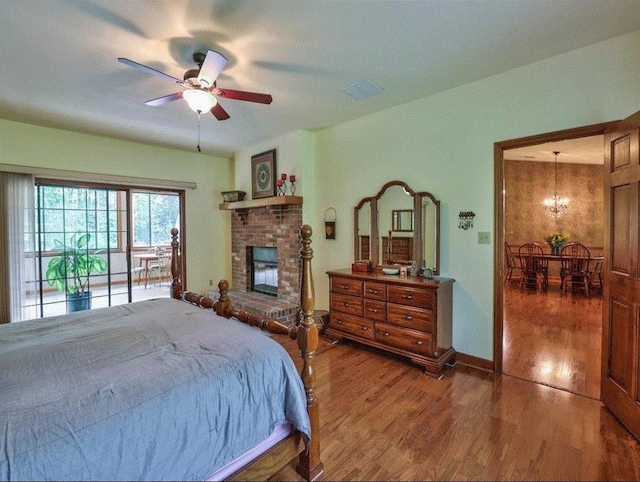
(309, 464)
(176, 284)
(305, 332)
(223, 307)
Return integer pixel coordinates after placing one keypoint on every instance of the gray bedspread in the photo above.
(153, 390)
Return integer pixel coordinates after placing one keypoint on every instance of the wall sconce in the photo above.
(466, 219)
(330, 226)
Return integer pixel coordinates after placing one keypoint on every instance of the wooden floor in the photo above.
(553, 339)
(383, 419)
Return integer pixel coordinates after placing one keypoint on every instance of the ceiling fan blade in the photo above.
(248, 96)
(148, 70)
(219, 112)
(213, 64)
(164, 99)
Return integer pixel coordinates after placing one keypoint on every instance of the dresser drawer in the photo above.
(375, 310)
(351, 324)
(375, 291)
(403, 338)
(410, 317)
(346, 304)
(346, 286)
(422, 298)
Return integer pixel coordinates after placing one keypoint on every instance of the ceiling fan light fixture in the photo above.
(199, 101)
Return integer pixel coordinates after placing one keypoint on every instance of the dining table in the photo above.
(556, 258)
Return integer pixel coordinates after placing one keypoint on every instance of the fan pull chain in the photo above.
(199, 132)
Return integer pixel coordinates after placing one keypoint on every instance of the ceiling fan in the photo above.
(201, 92)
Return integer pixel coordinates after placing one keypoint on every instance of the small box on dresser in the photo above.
(409, 316)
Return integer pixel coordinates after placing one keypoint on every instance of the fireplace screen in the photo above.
(264, 270)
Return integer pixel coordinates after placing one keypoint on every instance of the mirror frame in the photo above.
(396, 219)
(356, 232)
(418, 238)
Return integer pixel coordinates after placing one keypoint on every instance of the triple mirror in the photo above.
(397, 226)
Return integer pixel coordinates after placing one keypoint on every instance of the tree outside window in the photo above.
(154, 215)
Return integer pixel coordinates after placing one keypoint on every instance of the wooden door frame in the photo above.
(498, 226)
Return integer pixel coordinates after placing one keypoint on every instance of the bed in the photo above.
(165, 389)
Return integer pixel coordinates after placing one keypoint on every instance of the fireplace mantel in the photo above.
(258, 203)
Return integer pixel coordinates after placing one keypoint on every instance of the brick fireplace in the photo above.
(276, 226)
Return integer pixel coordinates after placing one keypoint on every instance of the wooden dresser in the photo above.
(409, 316)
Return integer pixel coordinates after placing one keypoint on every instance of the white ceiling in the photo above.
(59, 58)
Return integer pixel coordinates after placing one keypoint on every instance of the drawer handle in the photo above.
(417, 342)
(345, 303)
(344, 287)
(373, 310)
(407, 317)
(407, 297)
(339, 322)
(363, 328)
(375, 292)
(384, 333)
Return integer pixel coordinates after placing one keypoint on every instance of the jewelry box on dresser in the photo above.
(411, 316)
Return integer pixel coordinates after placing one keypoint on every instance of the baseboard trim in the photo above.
(475, 362)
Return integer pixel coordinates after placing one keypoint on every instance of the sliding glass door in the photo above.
(82, 245)
(101, 246)
(153, 215)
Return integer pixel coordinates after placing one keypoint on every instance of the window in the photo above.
(153, 217)
(118, 220)
(63, 211)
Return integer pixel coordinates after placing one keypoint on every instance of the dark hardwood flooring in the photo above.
(383, 419)
(552, 339)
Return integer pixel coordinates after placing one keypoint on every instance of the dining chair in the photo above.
(513, 264)
(535, 269)
(137, 269)
(574, 268)
(162, 266)
(596, 278)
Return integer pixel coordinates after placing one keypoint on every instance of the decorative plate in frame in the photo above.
(263, 174)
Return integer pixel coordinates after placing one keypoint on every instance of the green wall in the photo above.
(207, 229)
(444, 144)
(295, 154)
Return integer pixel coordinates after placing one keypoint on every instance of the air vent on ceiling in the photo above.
(362, 90)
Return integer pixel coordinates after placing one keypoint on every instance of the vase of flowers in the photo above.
(555, 242)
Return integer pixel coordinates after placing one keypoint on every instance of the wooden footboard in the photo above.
(305, 332)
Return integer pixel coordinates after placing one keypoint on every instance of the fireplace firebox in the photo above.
(264, 270)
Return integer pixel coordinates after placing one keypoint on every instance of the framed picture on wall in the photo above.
(263, 174)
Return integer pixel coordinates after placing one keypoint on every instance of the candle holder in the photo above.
(292, 178)
(281, 187)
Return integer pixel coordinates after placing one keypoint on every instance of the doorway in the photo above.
(544, 336)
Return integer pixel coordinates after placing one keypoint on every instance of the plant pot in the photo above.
(78, 302)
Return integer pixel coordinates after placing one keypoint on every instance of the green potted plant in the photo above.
(556, 241)
(69, 271)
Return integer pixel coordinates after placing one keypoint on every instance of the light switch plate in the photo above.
(484, 237)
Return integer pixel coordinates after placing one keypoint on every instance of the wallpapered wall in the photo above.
(527, 184)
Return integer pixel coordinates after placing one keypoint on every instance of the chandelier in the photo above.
(555, 206)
